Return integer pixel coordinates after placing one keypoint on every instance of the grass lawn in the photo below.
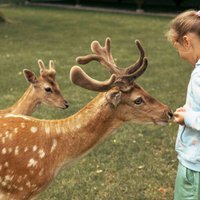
(139, 162)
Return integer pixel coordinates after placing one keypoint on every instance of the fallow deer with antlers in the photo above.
(33, 150)
(44, 89)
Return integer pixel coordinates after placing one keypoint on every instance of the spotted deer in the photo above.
(33, 151)
(41, 90)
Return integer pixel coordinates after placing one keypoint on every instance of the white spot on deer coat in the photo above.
(35, 148)
(10, 136)
(41, 172)
(19, 179)
(32, 163)
(9, 149)
(25, 176)
(6, 164)
(32, 172)
(25, 149)
(9, 178)
(4, 151)
(21, 189)
(23, 125)
(58, 129)
(28, 184)
(78, 126)
(41, 153)
(3, 183)
(63, 129)
(34, 129)
(54, 144)
(47, 129)
(3, 140)
(15, 130)
(7, 134)
(17, 150)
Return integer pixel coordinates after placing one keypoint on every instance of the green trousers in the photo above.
(187, 186)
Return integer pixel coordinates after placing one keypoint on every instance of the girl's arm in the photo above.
(192, 118)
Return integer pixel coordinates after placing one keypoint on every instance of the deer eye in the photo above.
(48, 89)
(138, 101)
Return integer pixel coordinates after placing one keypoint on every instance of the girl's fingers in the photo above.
(175, 115)
(181, 109)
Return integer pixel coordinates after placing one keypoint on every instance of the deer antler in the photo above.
(79, 77)
(41, 65)
(123, 76)
(102, 55)
(51, 72)
(51, 65)
(134, 67)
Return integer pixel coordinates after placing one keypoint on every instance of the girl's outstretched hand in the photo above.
(179, 115)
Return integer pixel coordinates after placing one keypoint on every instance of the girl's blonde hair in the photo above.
(186, 22)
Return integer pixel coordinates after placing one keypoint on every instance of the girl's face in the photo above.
(189, 48)
(184, 51)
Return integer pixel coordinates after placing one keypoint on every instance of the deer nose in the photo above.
(170, 114)
(66, 104)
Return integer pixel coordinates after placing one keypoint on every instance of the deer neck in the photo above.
(81, 132)
(27, 104)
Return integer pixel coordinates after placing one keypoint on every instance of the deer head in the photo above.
(46, 88)
(131, 102)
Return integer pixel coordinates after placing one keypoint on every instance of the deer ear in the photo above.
(30, 76)
(114, 97)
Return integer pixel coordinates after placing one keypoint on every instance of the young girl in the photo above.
(184, 34)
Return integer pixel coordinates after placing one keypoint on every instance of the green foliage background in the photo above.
(139, 161)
